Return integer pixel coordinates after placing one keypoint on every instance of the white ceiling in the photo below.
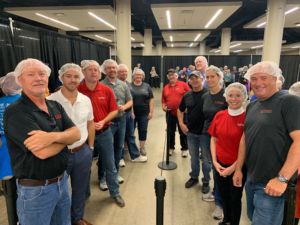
(291, 20)
(184, 35)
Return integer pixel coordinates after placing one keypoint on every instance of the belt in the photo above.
(77, 149)
(33, 183)
(102, 130)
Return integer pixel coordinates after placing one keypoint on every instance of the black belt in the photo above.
(102, 130)
(77, 149)
(34, 183)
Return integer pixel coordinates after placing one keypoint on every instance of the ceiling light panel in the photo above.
(192, 15)
(57, 21)
(76, 16)
(102, 20)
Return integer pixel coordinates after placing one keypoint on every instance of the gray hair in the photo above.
(218, 72)
(9, 84)
(201, 57)
(138, 70)
(29, 62)
(238, 86)
(295, 89)
(123, 66)
(107, 62)
(267, 67)
(68, 66)
(86, 63)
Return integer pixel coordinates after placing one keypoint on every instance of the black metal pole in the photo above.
(168, 137)
(160, 185)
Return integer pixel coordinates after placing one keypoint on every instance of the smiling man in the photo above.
(270, 146)
(37, 132)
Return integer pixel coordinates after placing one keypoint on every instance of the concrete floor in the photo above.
(182, 206)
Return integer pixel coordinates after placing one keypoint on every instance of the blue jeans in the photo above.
(193, 141)
(106, 161)
(47, 205)
(207, 166)
(130, 138)
(118, 129)
(263, 209)
(141, 122)
(79, 167)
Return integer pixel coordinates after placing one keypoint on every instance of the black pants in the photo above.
(172, 122)
(231, 197)
(10, 193)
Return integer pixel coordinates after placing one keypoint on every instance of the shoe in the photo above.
(171, 150)
(191, 182)
(81, 222)
(120, 179)
(224, 223)
(119, 201)
(205, 188)
(184, 153)
(208, 197)
(140, 159)
(218, 213)
(103, 186)
(122, 163)
(143, 151)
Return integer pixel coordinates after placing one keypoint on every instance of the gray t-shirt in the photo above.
(267, 127)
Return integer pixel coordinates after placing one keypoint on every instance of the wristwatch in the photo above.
(92, 147)
(282, 179)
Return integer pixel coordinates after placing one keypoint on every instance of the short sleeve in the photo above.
(90, 107)
(150, 92)
(112, 100)
(182, 105)
(291, 112)
(128, 96)
(213, 126)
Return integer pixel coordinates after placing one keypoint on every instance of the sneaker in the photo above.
(205, 188)
(218, 213)
(140, 159)
(184, 153)
(208, 197)
(122, 163)
(120, 179)
(171, 150)
(191, 182)
(103, 186)
(143, 151)
(119, 201)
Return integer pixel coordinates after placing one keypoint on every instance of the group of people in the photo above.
(254, 145)
(51, 139)
(48, 140)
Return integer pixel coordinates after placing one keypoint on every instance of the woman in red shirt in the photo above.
(226, 131)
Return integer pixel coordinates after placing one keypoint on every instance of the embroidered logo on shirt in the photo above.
(240, 124)
(266, 111)
(57, 116)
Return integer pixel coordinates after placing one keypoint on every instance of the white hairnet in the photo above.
(86, 63)
(68, 66)
(295, 89)
(238, 86)
(9, 85)
(30, 62)
(266, 67)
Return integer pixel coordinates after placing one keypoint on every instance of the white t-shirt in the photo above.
(80, 113)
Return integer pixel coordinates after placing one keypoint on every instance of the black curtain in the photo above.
(146, 63)
(290, 66)
(230, 60)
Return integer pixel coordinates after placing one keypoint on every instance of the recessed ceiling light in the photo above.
(172, 45)
(102, 20)
(197, 37)
(191, 45)
(261, 24)
(257, 46)
(291, 10)
(169, 18)
(142, 45)
(235, 45)
(103, 38)
(171, 38)
(236, 51)
(132, 38)
(57, 21)
(213, 18)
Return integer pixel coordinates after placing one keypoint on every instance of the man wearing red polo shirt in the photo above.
(105, 110)
(171, 98)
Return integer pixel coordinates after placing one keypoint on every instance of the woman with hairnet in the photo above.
(12, 91)
(226, 131)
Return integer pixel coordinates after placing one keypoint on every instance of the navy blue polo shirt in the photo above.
(20, 118)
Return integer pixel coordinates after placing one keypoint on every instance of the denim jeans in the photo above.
(106, 161)
(118, 129)
(193, 141)
(47, 205)
(173, 121)
(79, 166)
(263, 209)
(207, 166)
(141, 122)
(130, 138)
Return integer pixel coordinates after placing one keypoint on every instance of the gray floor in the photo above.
(182, 206)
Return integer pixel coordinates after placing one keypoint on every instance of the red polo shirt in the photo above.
(102, 98)
(172, 95)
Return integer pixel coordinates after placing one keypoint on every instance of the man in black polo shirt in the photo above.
(37, 132)
(193, 125)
